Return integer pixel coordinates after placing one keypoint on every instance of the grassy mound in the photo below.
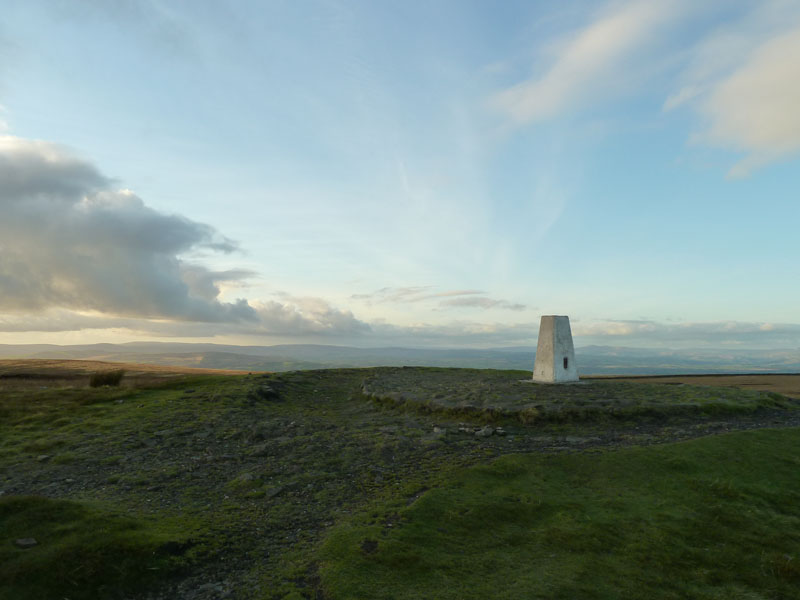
(710, 518)
(492, 395)
(80, 551)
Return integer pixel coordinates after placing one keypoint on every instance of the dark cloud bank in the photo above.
(70, 240)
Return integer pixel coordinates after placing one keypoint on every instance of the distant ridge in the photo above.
(600, 360)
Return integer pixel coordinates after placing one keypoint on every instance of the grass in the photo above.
(493, 396)
(255, 470)
(109, 378)
(710, 518)
(83, 551)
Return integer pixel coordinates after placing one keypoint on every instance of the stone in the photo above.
(43, 457)
(259, 450)
(485, 431)
(555, 354)
(25, 543)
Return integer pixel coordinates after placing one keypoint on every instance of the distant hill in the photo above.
(605, 360)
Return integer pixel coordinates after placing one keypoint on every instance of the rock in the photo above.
(272, 492)
(259, 450)
(485, 431)
(573, 439)
(440, 430)
(25, 543)
(264, 392)
(43, 457)
(499, 431)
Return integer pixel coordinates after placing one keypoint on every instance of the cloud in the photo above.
(755, 108)
(743, 80)
(409, 294)
(482, 302)
(455, 298)
(69, 239)
(457, 334)
(594, 62)
(719, 333)
(295, 317)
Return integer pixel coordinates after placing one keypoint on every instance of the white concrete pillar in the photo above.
(555, 354)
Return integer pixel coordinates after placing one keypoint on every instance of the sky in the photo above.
(387, 173)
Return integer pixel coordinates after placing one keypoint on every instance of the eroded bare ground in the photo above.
(261, 465)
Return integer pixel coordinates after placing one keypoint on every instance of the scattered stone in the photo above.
(485, 431)
(43, 457)
(441, 430)
(25, 543)
(499, 431)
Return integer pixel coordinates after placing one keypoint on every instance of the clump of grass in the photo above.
(109, 378)
(710, 518)
(82, 552)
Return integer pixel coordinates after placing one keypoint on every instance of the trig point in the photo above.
(555, 354)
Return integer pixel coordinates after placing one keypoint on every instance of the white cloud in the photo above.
(711, 334)
(69, 239)
(593, 63)
(743, 80)
(755, 109)
(78, 254)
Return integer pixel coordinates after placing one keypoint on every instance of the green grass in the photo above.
(710, 518)
(256, 482)
(83, 551)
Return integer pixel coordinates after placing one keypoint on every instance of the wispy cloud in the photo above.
(743, 80)
(755, 108)
(593, 62)
(409, 294)
(444, 300)
(718, 333)
(482, 302)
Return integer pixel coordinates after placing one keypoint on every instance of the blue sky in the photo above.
(400, 173)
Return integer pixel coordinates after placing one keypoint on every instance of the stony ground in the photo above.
(261, 465)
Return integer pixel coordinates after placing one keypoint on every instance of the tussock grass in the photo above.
(109, 378)
(710, 518)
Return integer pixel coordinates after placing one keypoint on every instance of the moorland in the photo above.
(394, 483)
